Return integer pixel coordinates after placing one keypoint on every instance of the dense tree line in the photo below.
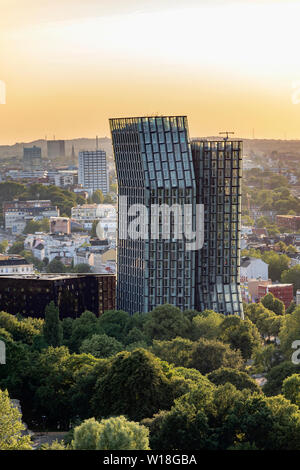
(175, 380)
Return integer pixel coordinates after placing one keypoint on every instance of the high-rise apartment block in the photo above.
(93, 171)
(32, 158)
(158, 166)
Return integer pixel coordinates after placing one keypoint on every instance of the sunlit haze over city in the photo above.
(70, 65)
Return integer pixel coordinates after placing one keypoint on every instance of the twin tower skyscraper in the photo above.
(187, 189)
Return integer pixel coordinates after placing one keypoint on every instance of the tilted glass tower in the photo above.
(154, 167)
(218, 173)
(157, 165)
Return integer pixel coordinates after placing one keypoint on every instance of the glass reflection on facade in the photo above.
(157, 164)
(154, 166)
(218, 173)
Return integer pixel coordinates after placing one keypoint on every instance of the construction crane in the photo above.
(227, 133)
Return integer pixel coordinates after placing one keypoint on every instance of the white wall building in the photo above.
(63, 246)
(245, 230)
(254, 268)
(87, 213)
(107, 228)
(14, 264)
(13, 215)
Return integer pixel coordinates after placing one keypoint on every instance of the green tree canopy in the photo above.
(289, 332)
(239, 379)
(98, 197)
(291, 389)
(82, 268)
(110, 434)
(101, 346)
(166, 322)
(3, 246)
(136, 385)
(86, 435)
(82, 328)
(292, 276)
(56, 266)
(116, 323)
(241, 334)
(21, 330)
(11, 426)
(206, 325)
(209, 355)
(176, 351)
(52, 330)
(120, 434)
(16, 247)
(271, 303)
(276, 376)
(277, 264)
(32, 226)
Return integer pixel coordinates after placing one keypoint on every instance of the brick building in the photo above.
(60, 225)
(283, 292)
(291, 222)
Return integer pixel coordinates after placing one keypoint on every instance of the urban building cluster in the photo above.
(17, 213)
(255, 282)
(157, 164)
(73, 249)
(91, 174)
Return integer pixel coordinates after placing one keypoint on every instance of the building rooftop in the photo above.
(51, 277)
(246, 261)
(12, 260)
(289, 216)
(147, 117)
(278, 285)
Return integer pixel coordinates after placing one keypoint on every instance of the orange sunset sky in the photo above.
(69, 65)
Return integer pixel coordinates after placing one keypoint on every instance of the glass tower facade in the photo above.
(154, 168)
(218, 173)
(157, 166)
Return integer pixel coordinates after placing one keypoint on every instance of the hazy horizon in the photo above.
(228, 65)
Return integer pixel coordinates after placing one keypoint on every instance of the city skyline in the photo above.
(69, 67)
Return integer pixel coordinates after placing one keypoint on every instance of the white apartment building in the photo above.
(87, 213)
(93, 171)
(64, 178)
(11, 216)
(14, 264)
